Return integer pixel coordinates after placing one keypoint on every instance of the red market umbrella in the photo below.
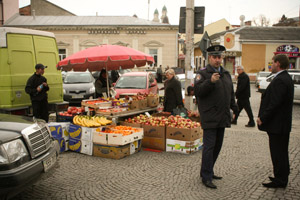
(110, 57)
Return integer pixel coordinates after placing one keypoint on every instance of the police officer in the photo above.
(215, 96)
(37, 88)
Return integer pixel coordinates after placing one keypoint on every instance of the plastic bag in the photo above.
(180, 111)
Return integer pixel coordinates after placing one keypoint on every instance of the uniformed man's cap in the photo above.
(40, 66)
(215, 50)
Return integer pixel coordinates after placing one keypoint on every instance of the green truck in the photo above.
(20, 50)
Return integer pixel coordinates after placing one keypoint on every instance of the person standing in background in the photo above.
(159, 74)
(242, 95)
(173, 95)
(37, 88)
(215, 95)
(275, 117)
(101, 84)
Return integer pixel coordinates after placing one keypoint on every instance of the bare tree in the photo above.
(261, 20)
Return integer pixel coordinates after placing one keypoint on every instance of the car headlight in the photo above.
(12, 151)
(92, 90)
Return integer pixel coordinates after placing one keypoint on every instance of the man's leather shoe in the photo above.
(217, 177)
(250, 125)
(234, 122)
(274, 185)
(271, 178)
(209, 184)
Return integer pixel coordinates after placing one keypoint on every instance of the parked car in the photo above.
(261, 76)
(78, 86)
(132, 83)
(295, 77)
(27, 150)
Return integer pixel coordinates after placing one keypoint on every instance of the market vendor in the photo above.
(101, 84)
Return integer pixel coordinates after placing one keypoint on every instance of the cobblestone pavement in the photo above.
(244, 163)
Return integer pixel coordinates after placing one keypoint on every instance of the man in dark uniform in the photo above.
(37, 88)
(215, 96)
(275, 117)
(242, 95)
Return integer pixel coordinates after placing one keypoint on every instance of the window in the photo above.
(153, 53)
(62, 54)
(297, 79)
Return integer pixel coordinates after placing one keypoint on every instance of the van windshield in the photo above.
(133, 82)
(263, 74)
(78, 78)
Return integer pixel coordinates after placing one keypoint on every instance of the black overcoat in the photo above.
(173, 95)
(243, 87)
(276, 105)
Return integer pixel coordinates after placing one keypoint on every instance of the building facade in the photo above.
(254, 47)
(74, 33)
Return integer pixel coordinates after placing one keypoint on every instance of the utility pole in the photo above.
(189, 38)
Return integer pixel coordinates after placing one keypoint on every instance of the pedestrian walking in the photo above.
(173, 95)
(37, 88)
(275, 117)
(215, 94)
(242, 95)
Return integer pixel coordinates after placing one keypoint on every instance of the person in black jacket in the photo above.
(242, 95)
(173, 95)
(215, 97)
(37, 88)
(275, 117)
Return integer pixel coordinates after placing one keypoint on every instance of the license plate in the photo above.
(77, 96)
(48, 163)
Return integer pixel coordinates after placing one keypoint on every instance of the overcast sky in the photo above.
(215, 10)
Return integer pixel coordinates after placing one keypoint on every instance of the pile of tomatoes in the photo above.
(72, 111)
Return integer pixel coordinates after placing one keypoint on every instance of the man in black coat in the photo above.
(173, 95)
(215, 97)
(242, 95)
(37, 88)
(275, 117)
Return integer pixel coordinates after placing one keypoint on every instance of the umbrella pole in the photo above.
(107, 82)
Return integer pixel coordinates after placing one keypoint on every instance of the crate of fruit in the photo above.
(117, 135)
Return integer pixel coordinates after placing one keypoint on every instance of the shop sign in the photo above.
(289, 54)
(287, 48)
(103, 31)
(233, 53)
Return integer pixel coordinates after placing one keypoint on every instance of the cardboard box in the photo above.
(81, 146)
(184, 134)
(56, 130)
(152, 101)
(185, 147)
(154, 131)
(135, 146)
(115, 152)
(59, 129)
(154, 143)
(81, 133)
(116, 139)
(131, 124)
(138, 104)
(62, 144)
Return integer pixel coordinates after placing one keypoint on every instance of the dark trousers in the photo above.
(279, 145)
(245, 104)
(212, 144)
(40, 109)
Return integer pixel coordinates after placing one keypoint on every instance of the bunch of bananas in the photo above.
(88, 121)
